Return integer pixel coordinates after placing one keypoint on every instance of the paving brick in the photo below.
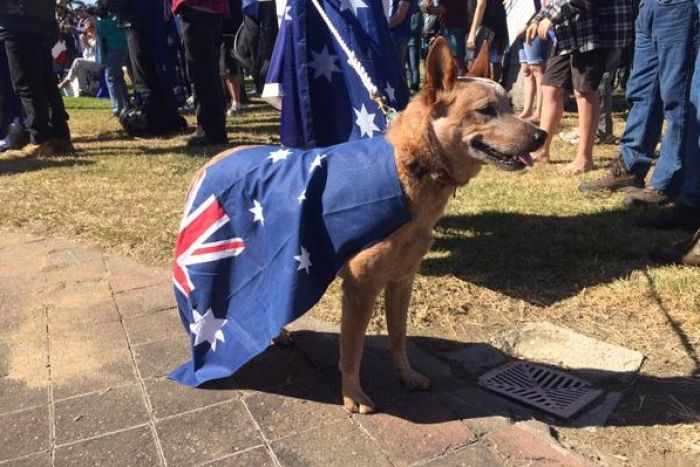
(519, 444)
(156, 359)
(258, 457)
(416, 427)
(154, 326)
(469, 456)
(64, 254)
(342, 444)
(275, 367)
(42, 459)
(207, 434)
(24, 432)
(145, 300)
(125, 274)
(16, 395)
(92, 373)
(21, 317)
(293, 408)
(135, 448)
(171, 398)
(95, 414)
(75, 273)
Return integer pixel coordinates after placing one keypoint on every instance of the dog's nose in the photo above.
(539, 137)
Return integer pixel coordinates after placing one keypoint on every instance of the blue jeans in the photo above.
(664, 57)
(118, 93)
(414, 63)
(690, 191)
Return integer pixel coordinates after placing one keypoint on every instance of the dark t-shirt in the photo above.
(456, 14)
(403, 29)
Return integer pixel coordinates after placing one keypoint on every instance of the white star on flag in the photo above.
(257, 211)
(353, 5)
(207, 328)
(288, 13)
(365, 121)
(323, 64)
(390, 92)
(279, 155)
(304, 260)
(318, 162)
(301, 197)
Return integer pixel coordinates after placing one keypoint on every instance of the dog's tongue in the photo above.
(526, 159)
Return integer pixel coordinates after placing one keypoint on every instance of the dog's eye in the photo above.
(488, 111)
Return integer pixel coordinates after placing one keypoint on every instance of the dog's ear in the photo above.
(441, 71)
(481, 67)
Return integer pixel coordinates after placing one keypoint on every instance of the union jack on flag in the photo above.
(263, 235)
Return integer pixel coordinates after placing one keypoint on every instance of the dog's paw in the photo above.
(413, 380)
(357, 402)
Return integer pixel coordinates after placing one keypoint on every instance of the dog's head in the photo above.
(468, 121)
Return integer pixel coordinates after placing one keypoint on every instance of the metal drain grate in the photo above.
(553, 391)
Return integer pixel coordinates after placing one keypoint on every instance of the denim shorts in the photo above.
(457, 37)
(534, 53)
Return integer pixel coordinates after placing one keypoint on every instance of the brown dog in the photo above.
(441, 141)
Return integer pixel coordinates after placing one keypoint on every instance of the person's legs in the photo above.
(675, 26)
(114, 76)
(557, 78)
(587, 70)
(457, 37)
(414, 65)
(537, 70)
(58, 117)
(605, 90)
(401, 46)
(24, 57)
(528, 91)
(202, 35)
(645, 118)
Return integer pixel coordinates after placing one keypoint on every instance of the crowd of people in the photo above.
(569, 47)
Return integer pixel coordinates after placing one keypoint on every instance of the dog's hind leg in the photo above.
(397, 299)
(358, 300)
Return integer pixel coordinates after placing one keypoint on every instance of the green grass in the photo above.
(511, 248)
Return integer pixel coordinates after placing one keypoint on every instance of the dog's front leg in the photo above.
(357, 310)
(397, 299)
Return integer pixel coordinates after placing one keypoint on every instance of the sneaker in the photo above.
(44, 149)
(686, 252)
(647, 197)
(618, 178)
(679, 216)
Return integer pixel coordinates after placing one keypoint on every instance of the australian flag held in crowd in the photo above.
(323, 100)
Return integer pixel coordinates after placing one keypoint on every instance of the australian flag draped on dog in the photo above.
(323, 100)
(265, 232)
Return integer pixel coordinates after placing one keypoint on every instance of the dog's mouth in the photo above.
(491, 155)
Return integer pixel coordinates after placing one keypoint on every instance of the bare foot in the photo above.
(532, 118)
(411, 379)
(356, 401)
(577, 167)
(525, 115)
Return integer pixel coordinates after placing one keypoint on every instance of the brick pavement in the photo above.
(87, 338)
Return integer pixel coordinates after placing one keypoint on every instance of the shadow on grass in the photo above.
(308, 371)
(537, 258)
(18, 165)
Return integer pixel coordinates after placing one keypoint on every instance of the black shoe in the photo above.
(200, 141)
(618, 178)
(647, 197)
(679, 216)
